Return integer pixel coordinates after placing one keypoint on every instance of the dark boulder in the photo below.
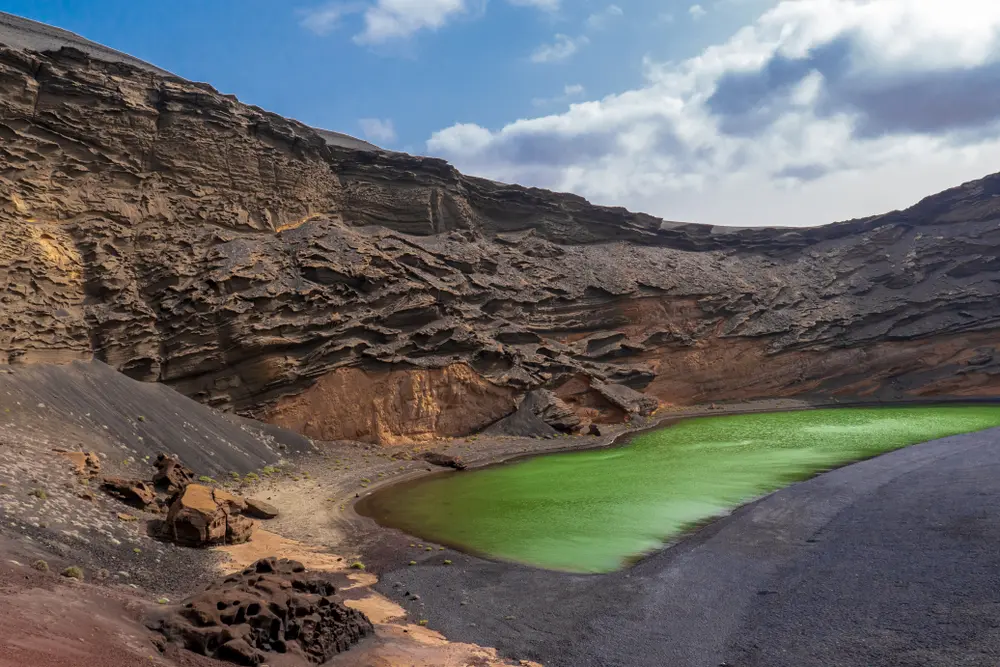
(444, 460)
(626, 398)
(133, 492)
(260, 509)
(170, 475)
(273, 606)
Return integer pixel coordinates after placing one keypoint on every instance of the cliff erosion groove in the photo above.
(183, 237)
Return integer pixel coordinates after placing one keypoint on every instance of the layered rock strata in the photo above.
(239, 257)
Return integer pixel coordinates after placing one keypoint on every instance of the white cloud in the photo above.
(820, 110)
(561, 48)
(392, 19)
(599, 20)
(544, 5)
(322, 20)
(696, 12)
(570, 93)
(378, 129)
(384, 20)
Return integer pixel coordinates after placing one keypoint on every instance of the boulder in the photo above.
(552, 410)
(203, 516)
(273, 606)
(626, 398)
(260, 509)
(540, 414)
(170, 475)
(85, 464)
(132, 492)
(594, 429)
(444, 460)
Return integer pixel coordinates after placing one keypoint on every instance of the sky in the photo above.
(732, 112)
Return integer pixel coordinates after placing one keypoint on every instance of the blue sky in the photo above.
(729, 111)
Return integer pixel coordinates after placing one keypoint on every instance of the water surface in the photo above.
(593, 511)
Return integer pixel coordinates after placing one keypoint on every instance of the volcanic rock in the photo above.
(241, 258)
(132, 492)
(260, 509)
(541, 413)
(273, 606)
(170, 475)
(444, 460)
(202, 516)
(85, 464)
(626, 398)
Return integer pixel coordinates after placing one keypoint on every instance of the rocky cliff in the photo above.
(251, 263)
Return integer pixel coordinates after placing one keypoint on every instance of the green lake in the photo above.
(594, 511)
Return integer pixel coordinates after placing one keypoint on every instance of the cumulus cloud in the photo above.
(819, 110)
(378, 129)
(599, 20)
(570, 92)
(544, 5)
(384, 20)
(696, 12)
(561, 48)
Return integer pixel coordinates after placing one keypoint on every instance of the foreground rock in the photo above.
(133, 492)
(260, 509)
(273, 606)
(444, 460)
(540, 414)
(171, 476)
(202, 516)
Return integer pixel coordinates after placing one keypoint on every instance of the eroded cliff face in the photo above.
(183, 237)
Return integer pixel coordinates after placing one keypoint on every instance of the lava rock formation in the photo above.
(249, 262)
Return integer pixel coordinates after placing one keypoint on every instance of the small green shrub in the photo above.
(413, 562)
(40, 494)
(357, 565)
(234, 475)
(447, 562)
(142, 418)
(205, 479)
(251, 477)
(40, 565)
(73, 572)
(422, 622)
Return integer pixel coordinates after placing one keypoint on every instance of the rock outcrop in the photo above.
(272, 607)
(201, 516)
(243, 259)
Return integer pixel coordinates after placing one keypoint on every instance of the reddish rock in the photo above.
(170, 475)
(202, 516)
(260, 509)
(132, 492)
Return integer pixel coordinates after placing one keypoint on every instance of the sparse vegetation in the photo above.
(251, 477)
(447, 562)
(268, 470)
(141, 418)
(413, 562)
(40, 565)
(422, 622)
(40, 494)
(365, 480)
(235, 475)
(357, 565)
(73, 572)
(205, 479)
(137, 550)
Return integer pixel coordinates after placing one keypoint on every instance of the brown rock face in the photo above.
(130, 491)
(201, 516)
(183, 237)
(272, 607)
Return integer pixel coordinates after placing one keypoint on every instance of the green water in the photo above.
(594, 511)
